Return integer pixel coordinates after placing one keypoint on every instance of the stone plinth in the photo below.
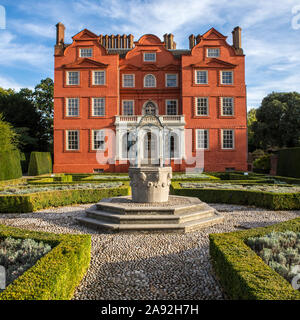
(150, 184)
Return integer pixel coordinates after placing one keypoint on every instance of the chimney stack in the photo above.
(237, 39)
(169, 41)
(192, 41)
(60, 34)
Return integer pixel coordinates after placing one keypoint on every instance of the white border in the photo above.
(93, 141)
(67, 107)
(196, 107)
(221, 78)
(67, 78)
(67, 140)
(166, 77)
(196, 76)
(93, 77)
(148, 74)
(93, 115)
(221, 103)
(197, 139)
(123, 82)
(166, 107)
(123, 107)
(233, 139)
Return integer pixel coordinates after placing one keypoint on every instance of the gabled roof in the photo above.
(213, 34)
(85, 35)
(84, 63)
(213, 63)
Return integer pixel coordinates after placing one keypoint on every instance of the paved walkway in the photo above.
(148, 266)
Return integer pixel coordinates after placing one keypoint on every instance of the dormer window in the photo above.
(213, 52)
(149, 56)
(86, 52)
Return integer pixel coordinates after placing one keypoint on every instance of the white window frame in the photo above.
(93, 110)
(227, 84)
(67, 78)
(213, 56)
(67, 140)
(196, 78)
(67, 107)
(80, 54)
(222, 107)
(127, 100)
(151, 60)
(166, 80)
(93, 140)
(197, 139)
(166, 104)
(196, 107)
(233, 139)
(93, 76)
(149, 74)
(123, 80)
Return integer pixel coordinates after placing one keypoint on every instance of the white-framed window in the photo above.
(226, 77)
(202, 139)
(149, 81)
(201, 77)
(227, 106)
(99, 77)
(128, 107)
(72, 107)
(201, 106)
(213, 52)
(98, 107)
(149, 56)
(227, 139)
(72, 139)
(128, 81)
(85, 52)
(73, 78)
(98, 139)
(171, 107)
(171, 80)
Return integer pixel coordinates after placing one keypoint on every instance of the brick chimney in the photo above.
(169, 41)
(192, 41)
(60, 39)
(237, 40)
(60, 34)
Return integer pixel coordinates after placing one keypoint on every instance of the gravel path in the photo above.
(148, 266)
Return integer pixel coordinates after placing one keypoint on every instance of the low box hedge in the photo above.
(56, 275)
(39, 163)
(56, 198)
(273, 201)
(12, 182)
(242, 273)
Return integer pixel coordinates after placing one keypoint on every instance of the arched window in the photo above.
(172, 146)
(149, 81)
(128, 149)
(150, 108)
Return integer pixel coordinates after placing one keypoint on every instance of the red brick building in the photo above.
(104, 84)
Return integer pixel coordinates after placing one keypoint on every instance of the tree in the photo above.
(251, 118)
(21, 113)
(8, 137)
(278, 121)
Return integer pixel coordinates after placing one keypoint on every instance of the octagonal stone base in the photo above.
(150, 184)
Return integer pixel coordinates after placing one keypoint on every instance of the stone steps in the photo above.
(148, 219)
(160, 227)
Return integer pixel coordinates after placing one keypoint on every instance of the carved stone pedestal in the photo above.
(150, 184)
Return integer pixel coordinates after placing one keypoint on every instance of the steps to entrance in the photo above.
(181, 218)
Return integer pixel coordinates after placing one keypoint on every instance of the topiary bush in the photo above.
(10, 165)
(263, 164)
(289, 162)
(40, 163)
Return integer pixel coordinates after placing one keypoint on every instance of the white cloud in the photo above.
(7, 83)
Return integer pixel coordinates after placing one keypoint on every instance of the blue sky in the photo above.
(270, 36)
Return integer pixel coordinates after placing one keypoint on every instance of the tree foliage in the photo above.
(31, 115)
(278, 121)
(8, 137)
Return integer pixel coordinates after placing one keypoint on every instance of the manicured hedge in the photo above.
(40, 163)
(40, 200)
(12, 182)
(10, 165)
(274, 201)
(57, 274)
(242, 273)
(289, 162)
